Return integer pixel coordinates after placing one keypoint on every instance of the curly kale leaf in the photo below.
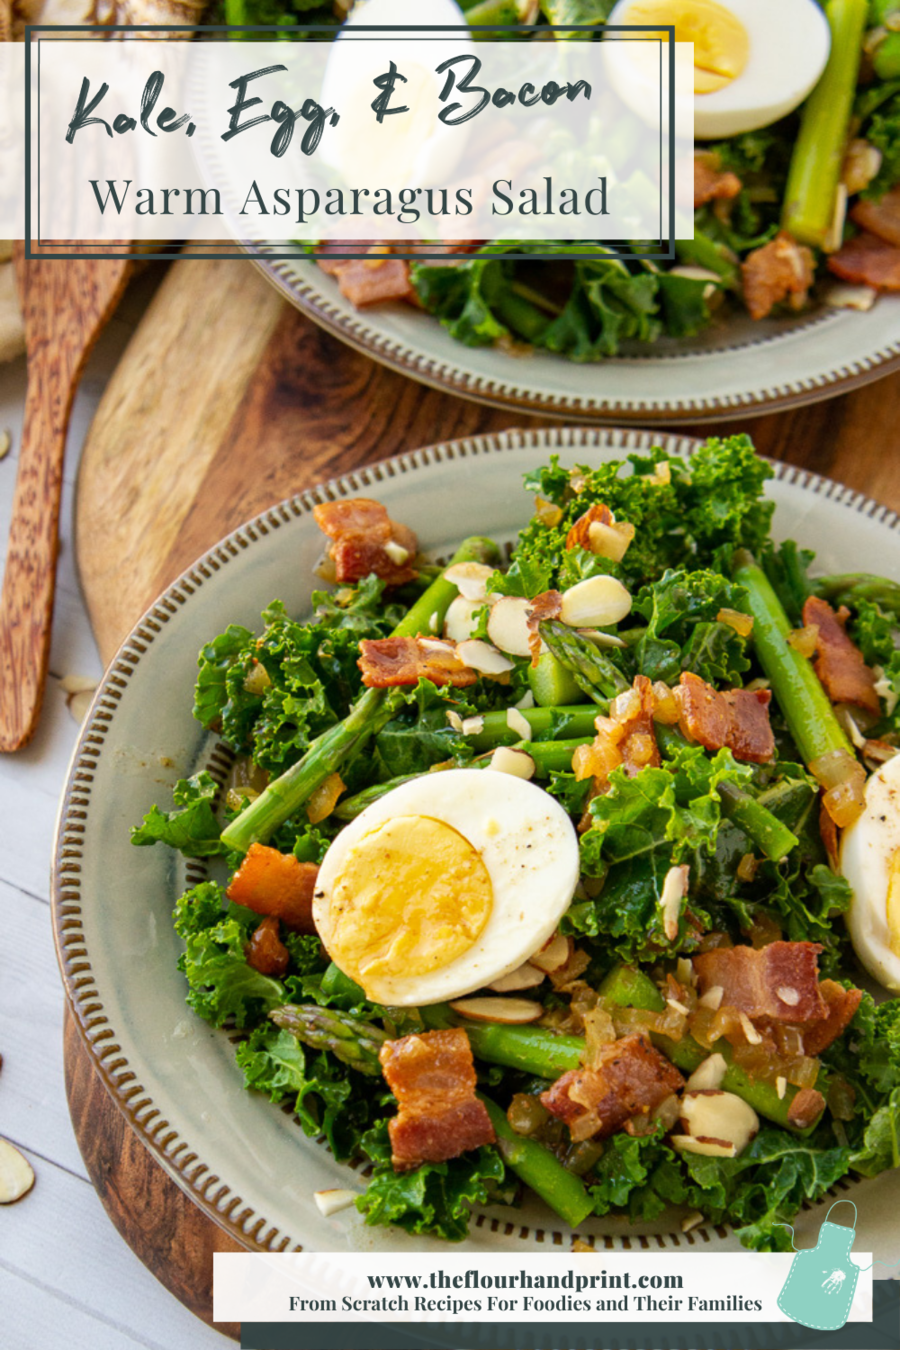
(436, 1198)
(624, 1175)
(192, 827)
(323, 1096)
(221, 983)
(683, 630)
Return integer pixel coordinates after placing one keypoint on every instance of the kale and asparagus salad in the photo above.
(560, 868)
(796, 173)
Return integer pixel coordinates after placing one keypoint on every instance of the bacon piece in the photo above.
(881, 218)
(710, 183)
(737, 719)
(631, 1079)
(432, 1075)
(806, 1108)
(547, 605)
(778, 982)
(841, 1005)
(867, 260)
(265, 950)
(839, 663)
(370, 281)
(364, 540)
(579, 535)
(277, 885)
(780, 270)
(386, 662)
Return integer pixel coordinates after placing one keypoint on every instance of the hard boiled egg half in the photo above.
(445, 884)
(410, 149)
(754, 60)
(870, 861)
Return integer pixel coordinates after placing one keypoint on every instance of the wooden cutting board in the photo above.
(225, 401)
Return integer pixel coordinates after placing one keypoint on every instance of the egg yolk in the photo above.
(412, 896)
(721, 42)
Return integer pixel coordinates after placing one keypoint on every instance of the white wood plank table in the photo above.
(66, 1277)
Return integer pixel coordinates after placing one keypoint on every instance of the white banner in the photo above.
(503, 1287)
(389, 136)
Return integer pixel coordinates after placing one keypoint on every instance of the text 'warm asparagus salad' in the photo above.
(560, 872)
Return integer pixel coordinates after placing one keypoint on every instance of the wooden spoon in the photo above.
(64, 305)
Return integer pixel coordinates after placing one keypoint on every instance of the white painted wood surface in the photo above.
(66, 1277)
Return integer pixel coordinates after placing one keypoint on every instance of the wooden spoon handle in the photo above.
(29, 581)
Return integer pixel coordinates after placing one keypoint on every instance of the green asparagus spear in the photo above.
(579, 723)
(850, 587)
(353, 1041)
(287, 794)
(539, 1169)
(815, 169)
(551, 683)
(593, 672)
(809, 714)
(769, 835)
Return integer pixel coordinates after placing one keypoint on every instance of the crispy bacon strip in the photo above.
(265, 950)
(839, 663)
(738, 718)
(841, 1005)
(277, 885)
(386, 662)
(547, 605)
(778, 982)
(366, 540)
(631, 1079)
(579, 535)
(780, 270)
(367, 281)
(432, 1075)
(867, 260)
(881, 218)
(710, 183)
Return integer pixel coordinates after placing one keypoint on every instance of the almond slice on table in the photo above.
(508, 625)
(510, 1011)
(553, 955)
(16, 1174)
(525, 976)
(595, 603)
(332, 1202)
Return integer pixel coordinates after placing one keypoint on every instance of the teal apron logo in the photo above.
(821, 1282)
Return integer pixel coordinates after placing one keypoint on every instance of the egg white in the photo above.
(529, 848)
(789, 45)
(866, 849)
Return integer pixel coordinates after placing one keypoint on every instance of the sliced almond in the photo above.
(708, 1075)
(259, 680)
(780, 1087)
(508, 625)
(518, 724)
(16, 1173)
(713, 1114)
(712, 998)
(516, 762)
(459, 621)
(691, 273)
(509, 1011)
(553, 955)
(332, 1202)
(78, 684)
(601, 639)
(788, 995)
(710, 1148)
(455, 720)
(675, 888)
(595, 603)
(526, 701)
(470, 579)
(472, 726)
(79, 704)
(691, 1221)
(749, 1030)
(526, 976)
(481, 656)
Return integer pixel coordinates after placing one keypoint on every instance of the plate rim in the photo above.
(210, 1192)
(611, 413)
